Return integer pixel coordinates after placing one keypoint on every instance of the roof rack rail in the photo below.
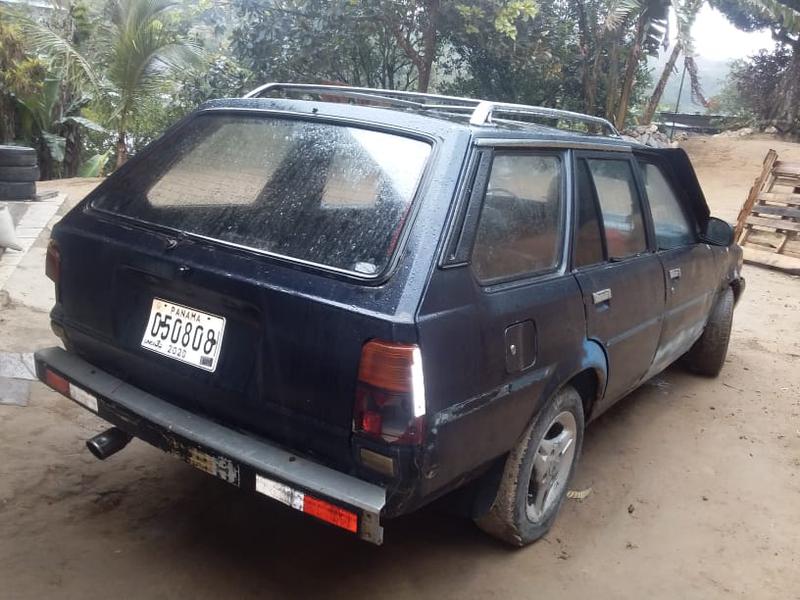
(414, 98)
(485, 111)
(481, 111)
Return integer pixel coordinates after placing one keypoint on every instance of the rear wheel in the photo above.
(707, 356)
(537, 473)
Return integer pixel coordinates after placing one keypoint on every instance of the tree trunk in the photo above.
(424, 80)
(611, 81)
(122, 149)
(430, 38)
(7, 113)
(631, 66)
(652, 104)
(587, 49)
(787, 114)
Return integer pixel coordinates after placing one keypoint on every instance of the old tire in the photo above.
(17, 156)
(16, 190)
(537, 473)
(707, 356)
(27, 174)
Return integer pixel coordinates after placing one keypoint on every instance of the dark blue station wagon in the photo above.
(357, 301)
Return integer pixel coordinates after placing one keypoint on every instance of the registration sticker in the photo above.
(218, 466)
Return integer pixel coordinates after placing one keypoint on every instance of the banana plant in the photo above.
(53, 128)
(650, 32)
(684, 44)
(137, 51)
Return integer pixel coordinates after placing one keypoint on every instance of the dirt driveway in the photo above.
(696, 491)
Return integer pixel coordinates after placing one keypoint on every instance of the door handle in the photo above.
(601, 296)
(675, 273)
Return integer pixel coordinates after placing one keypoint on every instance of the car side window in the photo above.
(672, 227)
(520, 227)
(588, 233)
(620, 206)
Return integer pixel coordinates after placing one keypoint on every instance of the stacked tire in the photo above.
(18, 173)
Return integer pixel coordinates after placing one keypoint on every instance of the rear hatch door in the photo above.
(239, 266)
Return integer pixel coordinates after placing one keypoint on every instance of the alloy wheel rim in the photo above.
(552, 464)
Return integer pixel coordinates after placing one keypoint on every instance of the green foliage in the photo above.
(336, 41)
(49, 125)
(376, 43)
(20, 73)
(137, 66)
(753, 83)
(769, 83)
(94, 165)
(508, 15)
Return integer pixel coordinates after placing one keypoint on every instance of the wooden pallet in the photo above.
(768, 226)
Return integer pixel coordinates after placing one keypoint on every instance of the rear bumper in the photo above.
(247, 462)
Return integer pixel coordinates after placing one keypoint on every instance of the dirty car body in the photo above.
(312, 300)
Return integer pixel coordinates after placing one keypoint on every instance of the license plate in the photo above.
(185, 334)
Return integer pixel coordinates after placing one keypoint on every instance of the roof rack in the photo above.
(481, 111)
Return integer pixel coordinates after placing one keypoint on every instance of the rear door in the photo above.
(498, 329)
(620, 277)
(688, 265)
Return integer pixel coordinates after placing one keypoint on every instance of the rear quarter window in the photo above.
(319, 193)
(520, 227)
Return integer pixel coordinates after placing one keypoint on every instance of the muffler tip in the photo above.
(107, 443)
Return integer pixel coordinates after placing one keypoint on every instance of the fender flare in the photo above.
(593, 357)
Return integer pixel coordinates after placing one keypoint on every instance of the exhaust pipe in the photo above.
(107, 443)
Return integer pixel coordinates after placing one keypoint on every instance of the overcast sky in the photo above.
(716, 39)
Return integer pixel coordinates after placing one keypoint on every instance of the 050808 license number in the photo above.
(185, 334)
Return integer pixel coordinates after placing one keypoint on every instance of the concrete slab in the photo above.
(17, 210)
(17, 365)
(30, 223)
(14, 391)
(28, 285)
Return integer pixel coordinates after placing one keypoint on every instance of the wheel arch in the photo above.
(589, 376)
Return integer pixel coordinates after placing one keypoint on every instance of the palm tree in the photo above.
(137, 52)
(140, 51)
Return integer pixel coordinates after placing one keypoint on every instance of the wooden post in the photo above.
(758, 186)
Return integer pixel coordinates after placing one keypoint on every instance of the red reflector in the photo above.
(57, 382)
(371, 422)
(330, 513)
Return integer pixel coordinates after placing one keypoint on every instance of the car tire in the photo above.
(537, 473)
(17, 156)
(707, 356)
(17, 190)
(26, 174)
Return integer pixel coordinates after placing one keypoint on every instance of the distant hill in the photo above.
(712, 79)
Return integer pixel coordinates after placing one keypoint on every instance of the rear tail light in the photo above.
(52, 265)
(390, 397)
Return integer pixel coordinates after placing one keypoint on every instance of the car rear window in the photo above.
(320, 193)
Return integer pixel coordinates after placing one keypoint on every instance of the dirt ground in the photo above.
(696, 489)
